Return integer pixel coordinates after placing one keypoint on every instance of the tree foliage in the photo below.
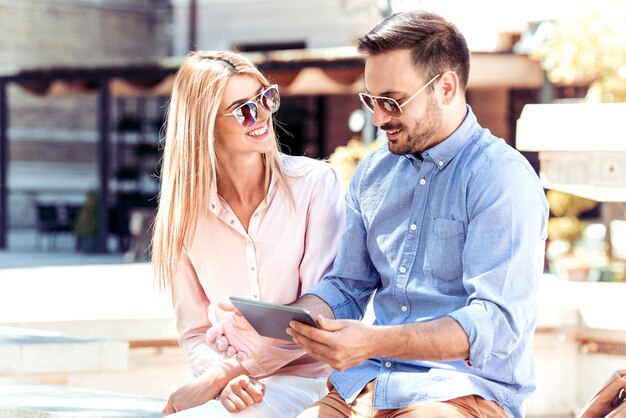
(592, 48)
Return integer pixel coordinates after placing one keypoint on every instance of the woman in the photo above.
(237, 218)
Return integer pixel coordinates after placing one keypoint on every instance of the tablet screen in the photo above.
(272, 319)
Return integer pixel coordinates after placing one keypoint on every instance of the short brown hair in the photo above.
(436, 45)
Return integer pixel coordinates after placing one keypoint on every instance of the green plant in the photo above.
(347, 157)
(565, 230)
(87, 221)
(566, 208)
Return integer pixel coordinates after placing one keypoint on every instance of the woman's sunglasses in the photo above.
(389, 105)
(246, 114)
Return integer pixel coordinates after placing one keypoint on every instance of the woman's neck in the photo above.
(242, 180)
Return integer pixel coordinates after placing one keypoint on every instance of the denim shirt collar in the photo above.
(442, 153)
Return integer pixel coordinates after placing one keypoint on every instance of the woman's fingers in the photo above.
(241, 393)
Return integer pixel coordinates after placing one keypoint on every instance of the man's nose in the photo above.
(380, 118)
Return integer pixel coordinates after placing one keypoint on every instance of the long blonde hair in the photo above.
(189, 161)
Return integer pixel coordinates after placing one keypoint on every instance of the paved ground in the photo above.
(26, 400)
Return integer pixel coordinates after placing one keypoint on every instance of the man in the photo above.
(446, 229)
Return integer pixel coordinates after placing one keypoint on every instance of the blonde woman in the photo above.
(238, 218)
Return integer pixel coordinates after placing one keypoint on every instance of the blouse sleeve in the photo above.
(325, 222)
(192, 321)
(326, 219)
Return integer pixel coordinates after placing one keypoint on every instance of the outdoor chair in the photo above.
(53, 221)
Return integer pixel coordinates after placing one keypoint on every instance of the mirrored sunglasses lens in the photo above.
(390, 107)
(271, 99)
(246, 114)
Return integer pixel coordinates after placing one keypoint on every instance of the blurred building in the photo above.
(52, 137)
(306, 47)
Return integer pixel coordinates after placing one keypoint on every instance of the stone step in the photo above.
(32, 400)
(28, 351)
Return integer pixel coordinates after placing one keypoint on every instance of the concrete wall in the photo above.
(320, 23)
(38, 32)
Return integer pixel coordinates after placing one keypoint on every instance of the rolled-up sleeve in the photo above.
(503, 252)
(272, 359)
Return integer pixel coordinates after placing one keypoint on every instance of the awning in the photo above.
(582, 147)
(298, 72)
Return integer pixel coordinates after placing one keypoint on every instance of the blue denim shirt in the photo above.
(460, 233)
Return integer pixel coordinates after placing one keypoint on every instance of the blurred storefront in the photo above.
(319, 86)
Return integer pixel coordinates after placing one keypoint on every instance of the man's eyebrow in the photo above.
(386, 93)
(242, 101)
(391, 92)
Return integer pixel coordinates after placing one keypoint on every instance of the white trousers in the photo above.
(285, 397)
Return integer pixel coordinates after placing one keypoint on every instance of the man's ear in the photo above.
(449, 85)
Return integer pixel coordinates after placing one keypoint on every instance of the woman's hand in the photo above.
(236, 337)
(195, 393)
(241, 392)
(205, 387)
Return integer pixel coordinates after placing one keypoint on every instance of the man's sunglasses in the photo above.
(388, 105)
(246, 114)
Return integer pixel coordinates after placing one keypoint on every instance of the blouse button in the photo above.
(413, 227)
(440, 163)
(422, 181)
(404, 308)
(402, 269)
(232, 221)
(387, 364)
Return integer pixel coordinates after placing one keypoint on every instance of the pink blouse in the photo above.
(285, 251)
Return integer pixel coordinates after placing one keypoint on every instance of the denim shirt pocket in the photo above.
(444, 250)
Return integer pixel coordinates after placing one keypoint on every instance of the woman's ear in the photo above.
(449, 85)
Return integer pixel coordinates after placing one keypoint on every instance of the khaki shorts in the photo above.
(333, 406)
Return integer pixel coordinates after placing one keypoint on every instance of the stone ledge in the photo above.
(31, 400)
(127, 329)
(27, 351)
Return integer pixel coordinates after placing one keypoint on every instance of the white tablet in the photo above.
(272, 319)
